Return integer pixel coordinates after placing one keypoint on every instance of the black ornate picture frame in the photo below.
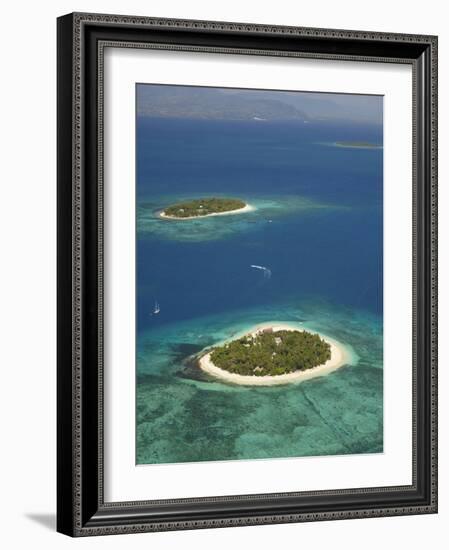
(81, 509)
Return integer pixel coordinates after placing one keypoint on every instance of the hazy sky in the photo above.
(203, 102)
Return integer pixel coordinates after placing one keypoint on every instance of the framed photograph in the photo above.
(247, 293)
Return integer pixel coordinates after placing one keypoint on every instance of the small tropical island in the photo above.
(273, 354)
(358, 144)
(213, 206)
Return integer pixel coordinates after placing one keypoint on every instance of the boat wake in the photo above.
(266, 271)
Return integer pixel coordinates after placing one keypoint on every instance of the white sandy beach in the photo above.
(246, 208)
(340, 356)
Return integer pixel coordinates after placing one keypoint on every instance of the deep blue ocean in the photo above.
(317, 226)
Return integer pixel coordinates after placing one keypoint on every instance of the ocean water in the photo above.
(317, 225)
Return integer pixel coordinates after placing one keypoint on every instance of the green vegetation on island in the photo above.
(358, 144)
(203, 207)
(269, 353)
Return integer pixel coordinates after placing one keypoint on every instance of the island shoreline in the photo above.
(243, 210)
(340, 356)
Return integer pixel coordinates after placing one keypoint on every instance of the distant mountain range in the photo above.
(198, 102)
(204, 103)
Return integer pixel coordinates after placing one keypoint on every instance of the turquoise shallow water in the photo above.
(267, 209)
(184, 415)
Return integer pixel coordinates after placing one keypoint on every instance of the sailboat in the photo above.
(156, 309)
